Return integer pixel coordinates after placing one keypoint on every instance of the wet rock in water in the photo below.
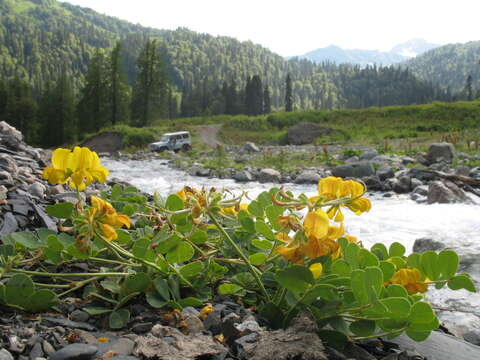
(446, 193)
(306, 133)
(424, 244)
(402, 184)
(198, 170)
(307, 177)
(354, 170)
(243, 176)
(5, 355)
(438, 152)
(299, 341)
(269, 175)
(250, 147)
(164, 342)
(368, 154)
(385, 172)
(414, 183)
(75, 352)
(373, 183)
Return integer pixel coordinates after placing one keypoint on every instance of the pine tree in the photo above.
(3, 98)
(267, 106)
(288, 94)
(92, 108)
(257, 95)
(469, 88)
(117, 89)
(149, 99)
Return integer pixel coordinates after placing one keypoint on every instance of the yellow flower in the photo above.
(207, 309)
(79, 168)
(244, 207)
(229, 211)
(351, 239)
(316, 270)
(316, 224)
(105, 218)
(293, 253)
(410, 280)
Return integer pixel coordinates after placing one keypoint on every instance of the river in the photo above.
(395, 218)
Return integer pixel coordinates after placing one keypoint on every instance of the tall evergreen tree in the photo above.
(469, 88)
(3, 98)
(267, 105)
(288, 94)
(149, 99)
(92, 108)
(257, 95)
(117, 88)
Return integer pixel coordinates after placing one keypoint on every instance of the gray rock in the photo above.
(425, 244)
(75, 352)
(248, 326)
(379, 159)
(9, 224)
(243, 176)
(368, 154)
(355, 170)
(373, 183)
(420, 190)
(194, 324)
(414, 183)
(352, 160)
(250, 147)
(463, 170)
(48, 349)
(421, 158)
(8, 164)
(418, 198)
(3, 192)
(36, 351)
(189, 310)
(445, 193)
(269, 175)
(6, 178)
(438, 152)
(407, 160)
(475, 172)
(385, 172)
(79, 315)
(473, 336)
(123, 346)
(5, 355)
(198, 170)
(37, 189)
(307, 177)
(402, 184)
(213, 322)
(353, 351)
(69, 323)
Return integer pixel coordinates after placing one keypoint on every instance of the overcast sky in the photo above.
(294, 27)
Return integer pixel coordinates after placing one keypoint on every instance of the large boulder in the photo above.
(368, 154)
(402, 184)
(269, 175)
(438, 152)
(243, 176)
(250, 147)
(306, 133)
(424, 244)
(307, 177)
(445, 193)
(354, 170)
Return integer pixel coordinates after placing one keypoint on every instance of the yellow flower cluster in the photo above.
(320, 237)
(334, 188)
(410, 280)
(103, 217)
(78, 167)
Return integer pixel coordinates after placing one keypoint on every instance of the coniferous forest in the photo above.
(66, 70)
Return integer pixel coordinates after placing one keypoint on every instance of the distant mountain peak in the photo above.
(413, 47)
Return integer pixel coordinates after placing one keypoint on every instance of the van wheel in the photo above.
(186, 148)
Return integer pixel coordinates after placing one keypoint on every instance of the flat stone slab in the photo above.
(440, 346)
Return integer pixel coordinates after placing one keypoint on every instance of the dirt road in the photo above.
(208, 134)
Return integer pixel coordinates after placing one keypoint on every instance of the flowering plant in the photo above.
(280, 253)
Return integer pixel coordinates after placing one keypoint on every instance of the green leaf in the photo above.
(398, 308)
(388, 270)
(380, 251)
(155, 300)
(366, 258)
(181, 253)
(351, 254)
(169, 243)
(138, 282)
(320, 291)
(119, 319)
(295, 278)
(199, 237)
(140, 247)
(363, 327)
(462, 281)
(2, 293)
(180, 219)
(246, 221)
(374, 279)
(359, 286)
(161, 285)
(257, 259)
(76, 253)
(432, 325)
(96, 310)
(448, 261)
(129, 209)
(399, 262)
(231, 289)
(341, 267)
(41, 300)
(273, 212)
(190, 301)
(26, 239)
(421, 312)
(273, 314)
(18, 290)
(174, 203)
(255, 209)
(265, 230)
(60, 210)
(262, 244)
(429, 265)
(192, 269)
(395, 290)
(418, 335)
(414, 261)
(396, 249)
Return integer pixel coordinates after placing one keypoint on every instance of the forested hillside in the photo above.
(41, 40)
(449, 66)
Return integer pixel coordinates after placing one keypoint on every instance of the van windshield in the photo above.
(165, 138)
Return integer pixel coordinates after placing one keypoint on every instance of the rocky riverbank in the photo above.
(230, 331)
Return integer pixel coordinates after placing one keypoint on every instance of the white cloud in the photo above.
(295, 27)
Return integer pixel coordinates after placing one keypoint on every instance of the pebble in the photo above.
(141, 328)
(123, 346)
(194, 324)
(75, 352)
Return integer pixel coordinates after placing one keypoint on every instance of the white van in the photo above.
(173, 141)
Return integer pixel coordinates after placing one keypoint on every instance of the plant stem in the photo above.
(53, 286)
(240, 253)
(41, 273)
(79, 285)
(109, 261)
(379, 335)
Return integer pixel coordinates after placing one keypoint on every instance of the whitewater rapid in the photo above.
(395, 218)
